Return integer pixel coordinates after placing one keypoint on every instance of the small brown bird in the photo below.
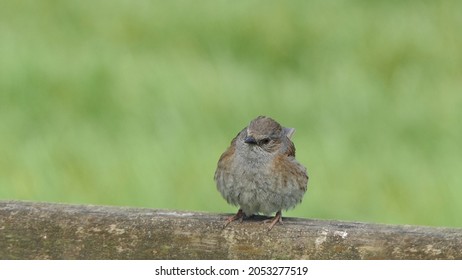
(259, 172)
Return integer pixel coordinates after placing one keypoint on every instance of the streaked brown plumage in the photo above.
(259, 172)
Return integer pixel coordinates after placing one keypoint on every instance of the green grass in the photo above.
(132, 102)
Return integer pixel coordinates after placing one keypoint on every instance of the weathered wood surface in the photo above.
(30, 230)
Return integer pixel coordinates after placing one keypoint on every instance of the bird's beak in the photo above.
(250, 140)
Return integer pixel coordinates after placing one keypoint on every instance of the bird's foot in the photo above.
(277, 219)
(239, 216)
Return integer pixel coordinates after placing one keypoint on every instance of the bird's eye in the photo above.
(264, 141)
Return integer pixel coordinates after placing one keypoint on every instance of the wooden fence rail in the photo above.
(30, 230)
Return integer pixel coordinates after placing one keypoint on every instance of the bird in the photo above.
(259, 173)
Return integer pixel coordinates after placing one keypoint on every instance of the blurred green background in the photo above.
(132, 102)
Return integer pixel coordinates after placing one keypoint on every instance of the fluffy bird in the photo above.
(259, 173)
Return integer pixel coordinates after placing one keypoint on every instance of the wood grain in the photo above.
(31, 230)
